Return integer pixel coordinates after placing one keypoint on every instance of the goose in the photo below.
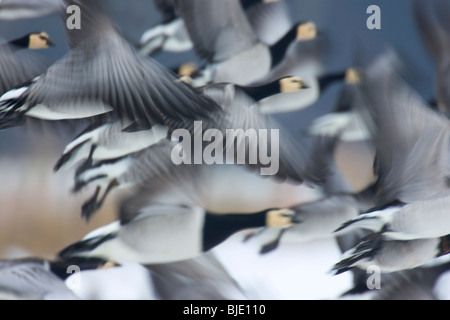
(102, 75)
(269, 20)
(233, 51)
(318, 219)
(154, 179)
(170, 196)
(167, 233)
(18, 65)
(411, 160)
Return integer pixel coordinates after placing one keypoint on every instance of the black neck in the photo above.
(327, 80)
(258, 93)
(249, 3)
(218, 227)
(345, 100)
(278, 50)
(20, 43)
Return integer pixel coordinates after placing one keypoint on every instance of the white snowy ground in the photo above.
(292, 271)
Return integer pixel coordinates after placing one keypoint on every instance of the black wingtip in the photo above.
(345, 225)
(90, 206)
(268, 247)
(338, 271)
(350, 222)
(345, 265)
(10, 120)
(67, 156)
(248, 236)
(83, 246)
(61, 161)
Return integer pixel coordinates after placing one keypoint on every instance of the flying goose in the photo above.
(412, 166)
(104, 75)
(226, 40)
(192, 206)
(164, 233)
(269, 20)
(339, 203)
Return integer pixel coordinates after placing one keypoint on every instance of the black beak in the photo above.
(296, 219)
(50, 43)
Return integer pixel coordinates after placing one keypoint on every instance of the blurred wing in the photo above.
(31, 280)
(104, 74)
(202, 278)
(411, 139)
(242, 113)
(430, 29)
(18, 67)
(270, 21)
(219, 29)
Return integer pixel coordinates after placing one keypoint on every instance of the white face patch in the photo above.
(39, 41)
(306, 31)
(352, 76)
(279, 218)
(290, 84)
(187, 69)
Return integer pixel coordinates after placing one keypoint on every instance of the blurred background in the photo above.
(39, 215)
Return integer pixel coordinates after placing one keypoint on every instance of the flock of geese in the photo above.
(257, 62)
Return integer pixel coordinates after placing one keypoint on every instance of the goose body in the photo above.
(144, 239)
(226, 40)
(412, 166)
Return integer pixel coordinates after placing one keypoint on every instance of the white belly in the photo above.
(236, 189)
